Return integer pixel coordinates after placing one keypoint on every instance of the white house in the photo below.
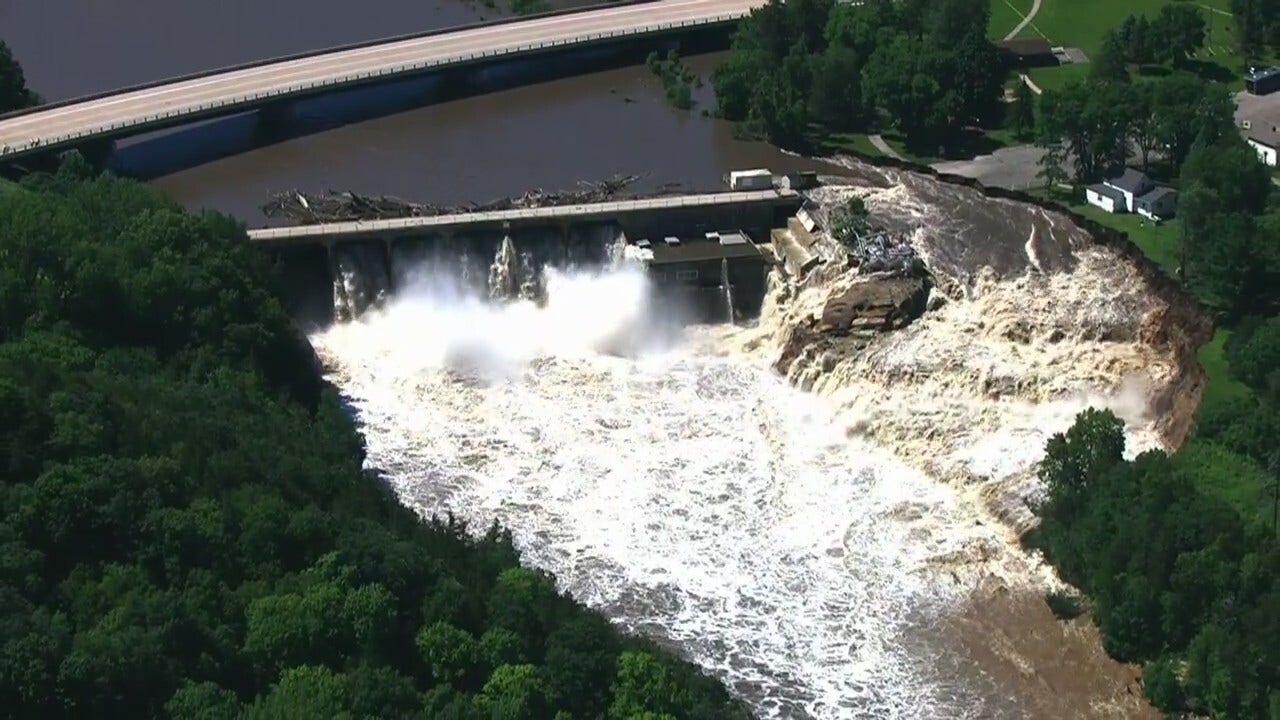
(1264, 140)
(1158, 204)
(1120, 193)
(1105, 197)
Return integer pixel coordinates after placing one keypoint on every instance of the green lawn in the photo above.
(1083, 23)
(1222, 387)
(1005, 16)
(851, 142)
(1157, 241)
(1233, 478)
(8, 186)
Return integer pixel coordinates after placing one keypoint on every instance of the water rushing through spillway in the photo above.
(686, 491)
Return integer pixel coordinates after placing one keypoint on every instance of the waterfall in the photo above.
(360, 279)
(728, 289)
(504, 273)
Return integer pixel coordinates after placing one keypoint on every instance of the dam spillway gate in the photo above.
(706, 255)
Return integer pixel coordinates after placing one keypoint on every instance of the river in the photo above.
(685, 490)
(550, 135)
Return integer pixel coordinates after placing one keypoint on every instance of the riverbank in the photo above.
(1032, 321)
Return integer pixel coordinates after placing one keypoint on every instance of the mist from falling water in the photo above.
(687, 492)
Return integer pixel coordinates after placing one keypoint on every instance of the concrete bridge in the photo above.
(706, 212)
(219, 93)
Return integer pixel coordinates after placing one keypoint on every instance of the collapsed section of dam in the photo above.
(707, 256)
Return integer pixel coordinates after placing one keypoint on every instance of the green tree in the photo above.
(452, 655)
(1109, 65)
(1190, 110)
(203, 701)
(305, 691)
(514, 692)
(645, 684)
(14, 94)
(1023, 111)
(836, 100)
(1179, 30)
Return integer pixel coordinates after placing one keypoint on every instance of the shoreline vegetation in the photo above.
(187, 529)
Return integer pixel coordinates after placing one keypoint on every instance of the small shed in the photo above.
(1262, 81)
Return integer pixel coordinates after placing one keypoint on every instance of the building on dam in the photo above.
(719, 276)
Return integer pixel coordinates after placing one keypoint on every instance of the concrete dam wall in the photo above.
(705, 255)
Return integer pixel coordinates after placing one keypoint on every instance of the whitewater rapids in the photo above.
(683, 489)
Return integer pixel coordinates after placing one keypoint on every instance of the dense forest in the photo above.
(187, 530)
(1177, 577)
(924, 67)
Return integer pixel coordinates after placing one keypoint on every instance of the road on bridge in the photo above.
(137, 108)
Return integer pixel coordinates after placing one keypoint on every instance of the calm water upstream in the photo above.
(548, 135)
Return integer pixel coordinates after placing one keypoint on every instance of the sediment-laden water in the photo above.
(691, 495)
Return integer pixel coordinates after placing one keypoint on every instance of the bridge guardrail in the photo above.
(355, 78)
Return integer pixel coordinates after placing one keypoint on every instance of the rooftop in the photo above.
(1108, 191)
(1157, 194)
(699, 250)
(1130, 180)
(1255, 74)
(1026, 46)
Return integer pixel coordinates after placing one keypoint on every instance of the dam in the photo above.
(707, 254)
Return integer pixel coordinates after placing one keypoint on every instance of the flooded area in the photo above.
(913, 600)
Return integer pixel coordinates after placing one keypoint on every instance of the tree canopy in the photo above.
(1177, 578)
(14, 94)
(927, 70)
(187, 530)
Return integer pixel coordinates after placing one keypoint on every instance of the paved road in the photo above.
(884, 147)
(290, 76)
(1035, 8)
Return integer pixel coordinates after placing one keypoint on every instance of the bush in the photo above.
(1065, 605)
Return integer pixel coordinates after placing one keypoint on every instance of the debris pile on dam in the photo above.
(305, 208)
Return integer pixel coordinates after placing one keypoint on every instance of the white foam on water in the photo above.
(689, 494)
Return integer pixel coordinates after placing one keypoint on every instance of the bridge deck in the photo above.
(418, 225)
(243, 88)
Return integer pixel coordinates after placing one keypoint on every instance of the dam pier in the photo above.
(706, 254)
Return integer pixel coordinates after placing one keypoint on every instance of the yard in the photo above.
(1005, 16)
(1159, 242)
(1084, 23)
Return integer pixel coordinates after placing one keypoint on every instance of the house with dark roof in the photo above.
(1158, 204)
(1262, 81)
(1027, 52)
(1132, 191)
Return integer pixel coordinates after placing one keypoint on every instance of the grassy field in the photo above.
(1083, 24)
(1233, 478)
(7, 186)
(1159, 242)
(851, 142)
(1005, 16)
(1222, 387)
